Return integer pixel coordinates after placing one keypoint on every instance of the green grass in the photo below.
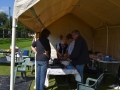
(26, 44)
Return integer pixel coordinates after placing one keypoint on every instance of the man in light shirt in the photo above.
(71, 45)
(58, 41)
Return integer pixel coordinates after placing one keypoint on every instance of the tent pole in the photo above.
(13, 54)
(107, 41)
(108, 27)
(35, 68)
(93, 46)
(34, 13)
(114, 3)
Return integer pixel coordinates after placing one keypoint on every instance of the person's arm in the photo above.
(77, 49)
(33, 47)
(46, 53)
(33, 40)
(66, 53)
(58, 49)
(46, 45)
(34, 37)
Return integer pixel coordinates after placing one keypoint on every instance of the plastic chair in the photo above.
(31, 66)
(32, 54)
(22, 68)
(87, 85)
(25, 53)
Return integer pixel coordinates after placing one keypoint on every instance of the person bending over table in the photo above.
(62, 50)
(79, 55)
(71, 44)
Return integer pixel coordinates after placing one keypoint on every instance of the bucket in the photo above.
(16, 48)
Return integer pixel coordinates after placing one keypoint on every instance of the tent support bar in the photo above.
(34, 13)
(13, 54)
(93, 46)
(107, 41)
(114, 3)
(108, 27)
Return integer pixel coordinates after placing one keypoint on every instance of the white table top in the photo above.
(60, 71)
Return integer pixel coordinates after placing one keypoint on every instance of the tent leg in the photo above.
(35, 68)
(107, 41)
(13, 54)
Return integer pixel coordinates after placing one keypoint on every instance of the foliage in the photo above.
(3, 20)
(6, 22)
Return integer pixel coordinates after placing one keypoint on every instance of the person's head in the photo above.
(45, 33)
(62, 42)
(34, 36)
(61, 37)
(75, 34)
(69, 37)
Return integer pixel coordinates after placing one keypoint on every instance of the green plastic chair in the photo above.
(30, 66)
(87, 85)
(21, 68)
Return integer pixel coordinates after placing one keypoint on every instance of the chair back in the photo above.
(24, 64)
(25, 53)
(84, 88)
(32, 54)
(99, 80)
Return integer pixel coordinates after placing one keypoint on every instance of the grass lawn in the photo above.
(25, 43)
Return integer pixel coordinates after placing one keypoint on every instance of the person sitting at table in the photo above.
(62, 49)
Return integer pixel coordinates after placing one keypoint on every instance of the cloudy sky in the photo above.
(4, 6)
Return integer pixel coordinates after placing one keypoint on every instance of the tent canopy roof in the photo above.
(38, 14)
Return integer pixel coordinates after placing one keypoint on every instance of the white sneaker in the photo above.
(34, 87)
(112, 86)
(117, 87)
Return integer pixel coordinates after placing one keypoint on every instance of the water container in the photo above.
(107, 58)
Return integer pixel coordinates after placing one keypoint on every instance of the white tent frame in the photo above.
(14, 24)
(13, 54)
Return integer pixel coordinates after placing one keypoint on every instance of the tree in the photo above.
(4, 20)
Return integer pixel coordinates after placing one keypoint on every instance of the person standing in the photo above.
(58, 41)
(9, 33)
(71, 45)
(79, 55)
(57, 44)
(42, 49)
(34, 37)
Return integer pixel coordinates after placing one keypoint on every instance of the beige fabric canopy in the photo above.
(96, 13)
(97, 20)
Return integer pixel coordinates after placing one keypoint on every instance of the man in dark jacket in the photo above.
(79, 55)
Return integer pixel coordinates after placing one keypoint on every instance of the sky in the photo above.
(4, 6)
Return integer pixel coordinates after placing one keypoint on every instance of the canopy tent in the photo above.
(97, 20)
(96, 16)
